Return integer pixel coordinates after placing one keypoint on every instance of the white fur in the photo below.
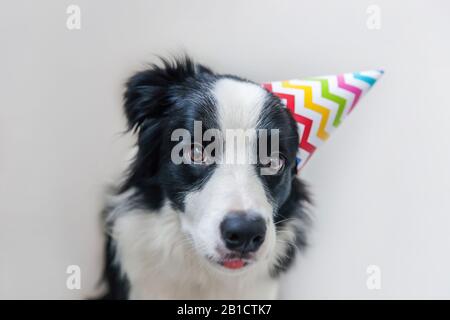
(239, 103)
(161, 263)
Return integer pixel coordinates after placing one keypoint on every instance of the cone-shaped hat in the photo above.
(320, 104)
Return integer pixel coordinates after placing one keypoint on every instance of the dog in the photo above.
(202, 230)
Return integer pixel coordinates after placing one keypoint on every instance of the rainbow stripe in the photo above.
(320, 104)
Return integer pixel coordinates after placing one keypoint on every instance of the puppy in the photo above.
(203, 229)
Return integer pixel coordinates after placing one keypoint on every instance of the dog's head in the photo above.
(230, 206)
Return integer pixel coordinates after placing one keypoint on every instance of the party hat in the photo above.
(321, 104)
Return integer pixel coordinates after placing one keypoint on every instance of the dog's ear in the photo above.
(147, 94)
(148, 101)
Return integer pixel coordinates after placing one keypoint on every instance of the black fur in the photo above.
(118, 284)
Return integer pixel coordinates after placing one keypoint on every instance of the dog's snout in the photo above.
(243, 232)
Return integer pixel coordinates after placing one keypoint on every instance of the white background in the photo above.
(381, 183)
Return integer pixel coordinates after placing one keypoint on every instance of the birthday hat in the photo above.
(320, 104)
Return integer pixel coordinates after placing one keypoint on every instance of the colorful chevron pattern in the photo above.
(320, 104)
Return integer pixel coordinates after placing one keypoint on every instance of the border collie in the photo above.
(202, 229)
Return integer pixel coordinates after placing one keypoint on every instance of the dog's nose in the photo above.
(243, 232)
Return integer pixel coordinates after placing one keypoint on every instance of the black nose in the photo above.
(243, 232)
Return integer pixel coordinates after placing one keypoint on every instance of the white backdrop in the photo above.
(381, 183)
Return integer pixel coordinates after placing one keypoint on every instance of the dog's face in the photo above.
(227, 207)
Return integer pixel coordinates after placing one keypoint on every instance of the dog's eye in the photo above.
(275, 165)
(198, 154)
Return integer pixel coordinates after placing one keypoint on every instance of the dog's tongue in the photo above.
(233, 264)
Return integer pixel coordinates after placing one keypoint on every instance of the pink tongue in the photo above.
(233, 264)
